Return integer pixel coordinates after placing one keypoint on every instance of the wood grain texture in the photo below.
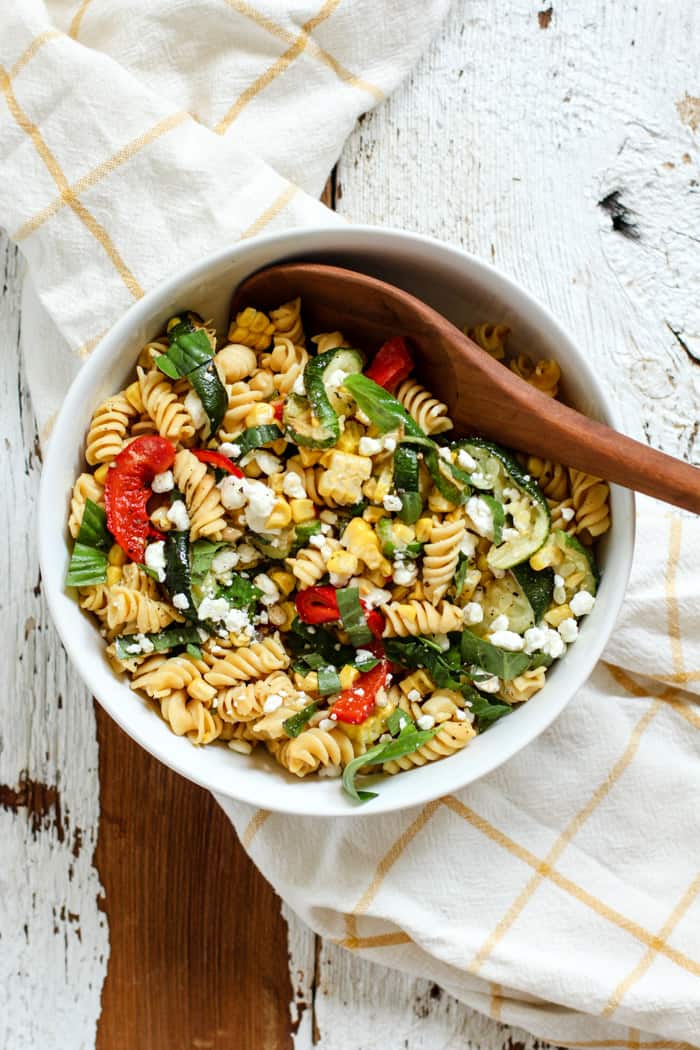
(198, 951)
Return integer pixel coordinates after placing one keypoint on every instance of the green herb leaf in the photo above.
(206, 381)
(257, 437)
(397, 721)
(409, 740)
(193, 650)
(365, 664)
(328, 680)
(93, 530)
(240, 593)
(173, 637)
(87, 566)
(497, 513)
(177, 569)
(305, 639)
(485, 710)
(303, 533)
(353, 616)
(294, 725)
(498, 662)
(382, 408)
(168, 367)
(445, 668)
(461, 574)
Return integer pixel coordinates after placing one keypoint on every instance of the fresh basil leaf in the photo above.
(353, 616)
(294, 725)
(206, 381)
(397, 721)
(177, 569)
(189, 350)
(93, 530)
(409, 740)
(303, 533)
(383, 409)
(498, 662)
(168, 367)
(202, 554)
(497, 514)
(193, 650)
(173, 637)
(305, 639)
(461, 574)
(441, 472)
(328, 680)
(486, 711)
(540, 660)
(150, 572)
(443, 667)
(88, 566)
(240, 593)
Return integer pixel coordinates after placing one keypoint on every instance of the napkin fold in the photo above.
(560, 892)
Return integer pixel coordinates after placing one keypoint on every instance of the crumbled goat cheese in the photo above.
(213, 608)
(377, 596)
(472, 613)
(329, 771)
(155, 558)
(236, 621)
(299, 387)
(230, 449)
(381, 699)
(582, 603)
(326, 724)
(363, 656)
(177, 513)
(293, 486)
(479, 478)
(234, 492)
(443, 641)
(465, 461)
(558, 580)
(425, 722)
(389, 443)
(337, 379)
(414, 696)
(534, 638)
(568, 630)
(500, 623)
(139, 643)
(273, 701)
(268, 463)
(223, 561)
(510, 493)
(339, 579)
(481, 516)
(468, 545)
(488, 685)
(463, 716)
(404, 574)
(392, 503)
(554, 644)
(444, 453)
(369, 446)
(196, 410)
(261, 500)
(567, 513)
(508, 640)
(270, 593)
(181, 601)
(163, 482)
(247, 554)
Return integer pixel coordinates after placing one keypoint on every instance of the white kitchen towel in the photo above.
(559, 893)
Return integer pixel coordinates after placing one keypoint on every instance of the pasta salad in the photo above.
(285, 547)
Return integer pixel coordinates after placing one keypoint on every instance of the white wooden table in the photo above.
(561, 144)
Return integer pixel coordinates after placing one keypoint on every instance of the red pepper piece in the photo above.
(279, 410)
(128, 490)
(391, 364)
(375, 620)
(356, 704)
(317, 605)
(217, 459)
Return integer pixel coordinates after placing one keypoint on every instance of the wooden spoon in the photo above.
(482, 395)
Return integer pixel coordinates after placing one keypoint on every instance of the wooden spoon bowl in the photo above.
(482, 395)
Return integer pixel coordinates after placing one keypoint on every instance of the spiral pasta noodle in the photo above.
(130, 610)
(241, 398)
(191, 718)
(491, 338)
(246, 702)
(164, 407)
(544, 375)
(591, 499)
(235, 362)
(420, 617)
(248, 662)
(524, 686)
(441, 555)
(429, 413)
(287, 322)
(314, 748)
(160, 675)
(108, 429)
(286, 362)
(552, 478)
(309, 566)
(86, 487)
(451, 737)
(328, 341)
(202, 497)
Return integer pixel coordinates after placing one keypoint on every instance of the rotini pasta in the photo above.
(278, 566)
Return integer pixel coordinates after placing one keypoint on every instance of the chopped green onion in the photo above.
(328, 680)
(353, 616)
(294, 725)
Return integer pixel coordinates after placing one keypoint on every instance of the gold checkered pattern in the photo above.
(577, 894)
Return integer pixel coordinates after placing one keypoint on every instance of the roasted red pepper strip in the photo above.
(320, 605)
(278, 406)
(317, 605)
(128, 490)
(217, 459)
(356, 704)
(391, 364)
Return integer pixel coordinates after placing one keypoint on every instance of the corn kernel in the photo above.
(116, 555)
(349, 440)
(374, 514)
(260, 415)
(310, 456)
(284, 615)
(420, 681)
(544, 558)
(437, 502)
(423, 529)
(114, 575)
(342, 562)
(307, 682)
(280, 516)
(405, 533)
(348, 676)
(302, 509)
(555, 616)
(160, 519)
(133, 396)
(101, 473)
(283, 581)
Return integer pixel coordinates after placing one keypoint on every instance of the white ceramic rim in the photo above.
(287, 794)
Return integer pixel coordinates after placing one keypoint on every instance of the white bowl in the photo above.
(464, 289)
